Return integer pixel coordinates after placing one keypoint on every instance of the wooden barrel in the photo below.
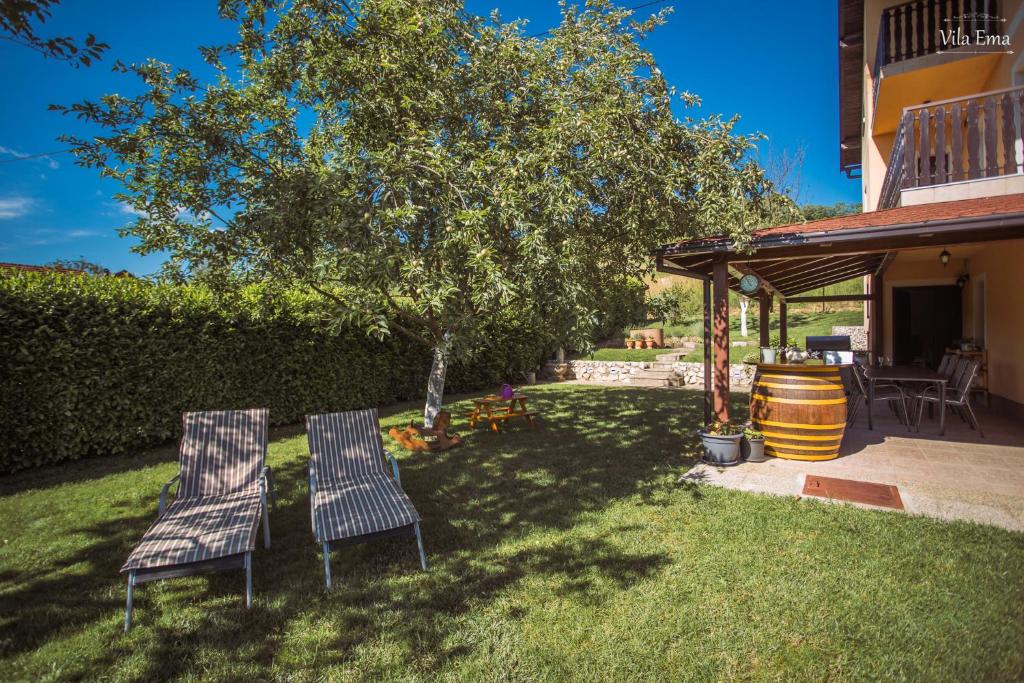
(800, 408)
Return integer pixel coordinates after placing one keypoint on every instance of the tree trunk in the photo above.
(744, 304)
(435, 385)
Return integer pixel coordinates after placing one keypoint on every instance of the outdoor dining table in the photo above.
(906, 373)
(495, 408)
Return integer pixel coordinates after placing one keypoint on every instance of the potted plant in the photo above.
(721, 443)
(752, 446)
(769, 354)
(631, 343)
(652, 342)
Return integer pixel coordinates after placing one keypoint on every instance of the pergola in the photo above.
(791, 260)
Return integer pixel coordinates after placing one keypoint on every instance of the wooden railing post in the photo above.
(925, 156)
(956, 143)
(973, 140)
(909, 148)
(991, 158)
(1009, 135)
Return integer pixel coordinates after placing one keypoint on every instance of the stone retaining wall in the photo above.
(858, 335)
(625, 372)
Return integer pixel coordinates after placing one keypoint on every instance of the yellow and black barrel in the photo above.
(800, 408)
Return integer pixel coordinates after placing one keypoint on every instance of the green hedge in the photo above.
(99, 365)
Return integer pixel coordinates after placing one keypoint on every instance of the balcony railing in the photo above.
(918, 28)
(953, 140)
(915, 29)
(893, 182)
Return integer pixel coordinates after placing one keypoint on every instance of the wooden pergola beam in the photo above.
(886, 262)
(827, 298)
(671, 269)
(800, 283)
(840, 277)
(822, 265)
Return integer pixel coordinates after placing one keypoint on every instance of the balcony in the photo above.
(921, 55)
(963, 139)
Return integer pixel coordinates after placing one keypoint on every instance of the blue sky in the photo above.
(775, 67)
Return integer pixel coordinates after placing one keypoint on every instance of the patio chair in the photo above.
(352, 497)
(887, 392)
(947, 365)
(958, 396)
(221, 497)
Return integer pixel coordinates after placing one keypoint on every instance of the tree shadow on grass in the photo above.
(593, 447)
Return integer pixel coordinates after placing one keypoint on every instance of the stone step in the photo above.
(636, 381)
(670, 357)
(654, 374)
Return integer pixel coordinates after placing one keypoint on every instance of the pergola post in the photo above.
(783, 339)
(875, 317)
(708, 391)
(764, 309)
(720, 287)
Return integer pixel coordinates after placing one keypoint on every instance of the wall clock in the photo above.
(749, 283)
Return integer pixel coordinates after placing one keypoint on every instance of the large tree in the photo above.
(423, 168)
(18, 19)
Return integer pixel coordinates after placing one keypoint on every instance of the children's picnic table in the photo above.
(494, 409)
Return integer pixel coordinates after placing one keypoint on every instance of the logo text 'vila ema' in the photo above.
(980, 38)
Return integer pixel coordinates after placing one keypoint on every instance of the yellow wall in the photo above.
(1001, 264)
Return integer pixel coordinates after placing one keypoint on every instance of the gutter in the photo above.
(718, 245)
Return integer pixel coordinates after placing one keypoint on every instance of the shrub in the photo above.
(676, 304)
(104, 365)
(619, 306)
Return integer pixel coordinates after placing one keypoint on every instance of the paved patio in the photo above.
(956, 476)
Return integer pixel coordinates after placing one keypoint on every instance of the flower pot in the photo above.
(631, 343)
(767, 355)
(752, 450)
(721, 450)
(652, 343)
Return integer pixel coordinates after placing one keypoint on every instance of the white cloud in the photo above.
(14, 207)
(45, 236)
(180, 213)
(13, 152)
(130, 210)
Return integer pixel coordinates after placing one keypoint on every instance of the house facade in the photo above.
(931, 95)
(935, 88)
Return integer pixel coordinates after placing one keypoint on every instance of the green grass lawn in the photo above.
(800, 325)
(567, 552)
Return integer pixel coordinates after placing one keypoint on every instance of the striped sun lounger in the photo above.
(352, 496)
(222, 495)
